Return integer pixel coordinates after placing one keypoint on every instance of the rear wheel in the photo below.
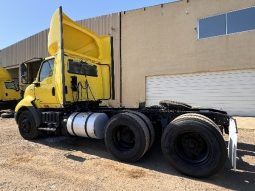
(193, 144)
(27, 126)
(148, 123)
(127, 137)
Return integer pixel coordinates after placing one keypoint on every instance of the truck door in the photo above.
(1, 90)
(10, 91)
(45, 87)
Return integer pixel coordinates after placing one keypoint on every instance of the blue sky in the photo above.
(21, 19)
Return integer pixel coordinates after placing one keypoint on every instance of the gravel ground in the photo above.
(68, 163)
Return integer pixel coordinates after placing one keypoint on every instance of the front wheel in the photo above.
(27, 126)
(193, 144)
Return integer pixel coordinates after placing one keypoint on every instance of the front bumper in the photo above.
(232, 142)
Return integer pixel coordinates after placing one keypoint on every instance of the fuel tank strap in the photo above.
(86, 123)
(72, 124)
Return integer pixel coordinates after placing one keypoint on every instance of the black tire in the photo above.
(174, 105)
(27, 126)
(148, 124)
(7, 115)
(193, 144)
(127, 137)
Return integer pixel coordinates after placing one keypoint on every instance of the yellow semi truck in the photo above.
(9, 91)
(71, 84)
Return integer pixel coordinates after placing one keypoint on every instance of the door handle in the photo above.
(53, 92)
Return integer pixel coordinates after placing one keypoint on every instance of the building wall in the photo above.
(162, 40)
(34, 46)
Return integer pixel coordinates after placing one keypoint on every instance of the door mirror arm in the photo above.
(37, 84)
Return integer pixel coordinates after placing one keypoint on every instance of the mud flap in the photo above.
(232, 142)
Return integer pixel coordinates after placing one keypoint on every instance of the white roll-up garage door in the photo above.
(232, 91)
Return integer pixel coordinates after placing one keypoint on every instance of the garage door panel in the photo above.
(226, 86)
(232, 91)
(225, 91)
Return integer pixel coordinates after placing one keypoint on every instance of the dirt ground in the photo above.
(69, 163)
(245, 122)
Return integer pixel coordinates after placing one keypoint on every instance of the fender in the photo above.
(27, 104)
(36, 114)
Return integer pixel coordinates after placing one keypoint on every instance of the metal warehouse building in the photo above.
(201, 52)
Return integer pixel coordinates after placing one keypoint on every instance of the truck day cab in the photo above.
(9, 92)
(71, 84)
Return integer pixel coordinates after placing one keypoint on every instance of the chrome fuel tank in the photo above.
(90, 125)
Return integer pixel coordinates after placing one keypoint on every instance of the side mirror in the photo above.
(37, 84)
(17, 87)
(24, 79)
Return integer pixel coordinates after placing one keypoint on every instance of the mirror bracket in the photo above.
(37, 84)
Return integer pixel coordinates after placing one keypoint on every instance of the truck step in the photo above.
(47, 129)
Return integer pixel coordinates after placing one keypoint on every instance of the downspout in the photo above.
(121, 104)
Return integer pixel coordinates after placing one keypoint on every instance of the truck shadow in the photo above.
(242, 179)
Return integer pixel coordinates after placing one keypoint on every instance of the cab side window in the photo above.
(10, 85)
(46, 69)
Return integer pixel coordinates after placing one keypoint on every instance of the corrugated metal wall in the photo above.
(36, 46)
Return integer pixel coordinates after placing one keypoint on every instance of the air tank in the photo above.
(91, 125)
